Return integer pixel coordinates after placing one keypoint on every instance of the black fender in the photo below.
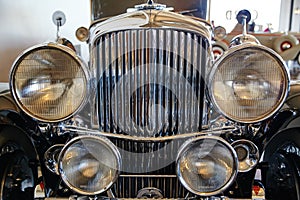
(281, 165)
(16, 129)
(288, 135)
(16, 146)
(284, 119)
(23, 133)
(16, 136)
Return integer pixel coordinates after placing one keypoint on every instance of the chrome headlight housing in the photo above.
(249, 83)
(49, 82)
(89, 165)
(206, 165)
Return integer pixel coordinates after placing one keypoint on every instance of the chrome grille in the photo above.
(150, 81)
(148, 165)
(129, 186)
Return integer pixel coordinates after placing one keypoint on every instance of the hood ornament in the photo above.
(150, 5)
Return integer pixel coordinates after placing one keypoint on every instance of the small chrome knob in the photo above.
(150, 5)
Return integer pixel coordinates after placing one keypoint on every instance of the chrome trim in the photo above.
(150, 19)
(243, 39)
(149, 5)
(3, 86)
(128, 187)
(85, 131)
(148, 176)
(107, 198)
(151, 192)
(51, 158)
(251, 158)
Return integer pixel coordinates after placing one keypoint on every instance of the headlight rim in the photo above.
(64, 49)
(233, 50)
(188, 143)
(102, 139)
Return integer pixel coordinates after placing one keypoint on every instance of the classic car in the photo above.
(151, 115)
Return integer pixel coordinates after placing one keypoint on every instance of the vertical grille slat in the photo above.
(130, 63)
(172, 101)
(116, 69)
(176, 78)
(111, 125)
(150, 84)
(123, 64)
(197, 78)
(137, 77)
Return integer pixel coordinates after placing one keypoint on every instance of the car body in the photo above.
(151, 115)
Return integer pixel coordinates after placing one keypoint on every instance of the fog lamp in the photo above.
(89, 165)
(206, 165)
(49, 82)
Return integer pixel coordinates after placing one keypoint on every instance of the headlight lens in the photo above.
(89, 165)
(249, 83)
(49, 82)
(206, 165)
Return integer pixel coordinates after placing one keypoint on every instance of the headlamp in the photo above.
(249, 83)
(49, 82)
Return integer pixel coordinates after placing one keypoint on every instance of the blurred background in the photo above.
(25, 23)
(28, 22)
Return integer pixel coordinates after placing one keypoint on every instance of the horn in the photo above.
(247, 153)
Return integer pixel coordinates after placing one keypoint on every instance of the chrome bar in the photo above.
(81, 130)
(107, 198)
(148, 176)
